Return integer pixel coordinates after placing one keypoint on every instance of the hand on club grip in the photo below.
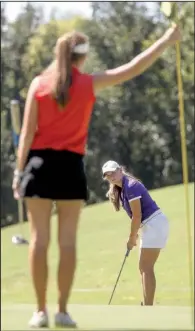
(132, 242)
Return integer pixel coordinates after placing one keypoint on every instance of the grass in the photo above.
(101, 247)
(94, 318)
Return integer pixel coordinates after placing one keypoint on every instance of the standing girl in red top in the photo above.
(50, 156)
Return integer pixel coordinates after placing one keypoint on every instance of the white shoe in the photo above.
(39, 320)
(64, 320)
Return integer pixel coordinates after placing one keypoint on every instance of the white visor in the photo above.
(81, 48)
(110, 166)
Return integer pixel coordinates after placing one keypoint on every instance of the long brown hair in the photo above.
(114, 191)
(61, 67)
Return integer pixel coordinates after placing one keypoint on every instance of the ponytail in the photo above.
(114, 196)
(62, 78)
(69, 50)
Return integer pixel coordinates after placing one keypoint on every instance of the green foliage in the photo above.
(102, 239)
(136, 123)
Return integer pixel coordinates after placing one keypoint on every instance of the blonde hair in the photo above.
(114, 191)
(61, 68)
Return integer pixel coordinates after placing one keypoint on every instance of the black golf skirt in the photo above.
(55, 175)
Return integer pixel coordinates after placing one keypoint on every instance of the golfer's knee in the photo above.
(145, 268)
(67, 242)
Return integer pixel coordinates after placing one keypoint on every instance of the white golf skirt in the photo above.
(154, 231)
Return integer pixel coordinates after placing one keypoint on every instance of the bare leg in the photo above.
(68, 213)
(39, 211)
(148, 258)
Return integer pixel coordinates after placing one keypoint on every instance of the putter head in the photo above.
(19, 240)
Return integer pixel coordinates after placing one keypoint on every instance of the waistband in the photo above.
(157, 212)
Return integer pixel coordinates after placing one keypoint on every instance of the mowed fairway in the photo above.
(101, 248)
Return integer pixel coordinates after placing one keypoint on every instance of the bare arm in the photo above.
(29, 126)
(138, 65)
(136, 218)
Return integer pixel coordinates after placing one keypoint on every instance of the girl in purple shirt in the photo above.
(128, 191)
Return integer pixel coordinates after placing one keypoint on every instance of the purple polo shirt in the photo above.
(132, 190)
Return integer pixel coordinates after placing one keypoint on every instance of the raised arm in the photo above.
(139, 64)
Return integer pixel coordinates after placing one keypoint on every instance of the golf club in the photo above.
(126, 255)
(16, 126)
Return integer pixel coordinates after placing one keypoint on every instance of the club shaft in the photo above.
(16, 127)
(117, 280)
(20, 215)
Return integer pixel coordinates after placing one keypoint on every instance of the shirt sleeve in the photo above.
(133, 192)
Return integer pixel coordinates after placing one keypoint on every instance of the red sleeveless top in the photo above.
(64, 129)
